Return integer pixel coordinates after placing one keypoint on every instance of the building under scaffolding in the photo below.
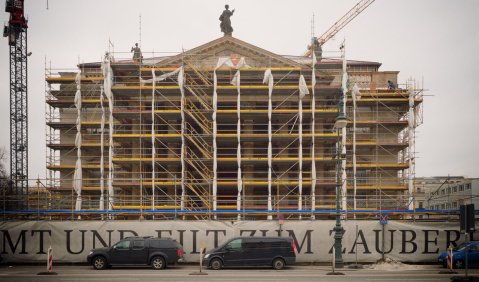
(228, 130)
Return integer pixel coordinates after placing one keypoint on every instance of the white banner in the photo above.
(72, 240)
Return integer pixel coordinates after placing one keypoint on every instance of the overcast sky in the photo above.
(435, 41)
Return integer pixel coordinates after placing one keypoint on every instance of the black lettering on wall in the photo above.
(263, 232)
(306, 238)
(251, 232)
(215, 232)
(379, 245)
(96, 235)
(160, 232)
(13, 248)
(123, 232)
(449, 240)
(195, 251)
(82, 247)
(362, 242)
(331, 249)
(410, 241)
(181, 233)
(41, 251)
(427, 241)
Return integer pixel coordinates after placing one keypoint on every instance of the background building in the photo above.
(447, 192)
(229, 130)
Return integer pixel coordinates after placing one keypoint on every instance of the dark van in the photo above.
(157, 252)
(276, 252)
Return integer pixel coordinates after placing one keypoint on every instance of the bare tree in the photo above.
(4, 175)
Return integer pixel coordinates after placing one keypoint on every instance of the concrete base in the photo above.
(334, 273)
(47, 273)
(198, 273)
(356, 266)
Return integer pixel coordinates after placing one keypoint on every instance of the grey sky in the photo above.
(434, 40)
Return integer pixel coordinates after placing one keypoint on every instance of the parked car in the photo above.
(157, 252)
(459, 255)
(276, 252)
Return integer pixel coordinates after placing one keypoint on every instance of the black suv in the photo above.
(275, 252)
(157, 252)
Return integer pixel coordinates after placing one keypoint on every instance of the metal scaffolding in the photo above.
(229, 130)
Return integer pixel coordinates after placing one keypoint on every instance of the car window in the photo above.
(123, 245)
(138, 244)
(235, 244)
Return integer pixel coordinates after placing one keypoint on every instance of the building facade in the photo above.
(229, 130)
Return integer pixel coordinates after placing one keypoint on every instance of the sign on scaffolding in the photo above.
(383, 218)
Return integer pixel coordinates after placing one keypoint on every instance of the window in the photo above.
(448, 190)
(468, 186)
(138, 245)
(443, 192)
(123, 245)
(461, 187)
(454, 205)
(235, 244)
(454, 189)
(421, 205)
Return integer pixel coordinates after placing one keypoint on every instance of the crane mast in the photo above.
(16, 33)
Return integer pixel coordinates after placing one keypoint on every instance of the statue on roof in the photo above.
(137, 56)
(226, 22)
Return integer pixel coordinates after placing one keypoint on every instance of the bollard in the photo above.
(201, 264)
(450, 265)
(49, 263)
(334, 265)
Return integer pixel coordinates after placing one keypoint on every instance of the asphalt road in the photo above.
(183, 273)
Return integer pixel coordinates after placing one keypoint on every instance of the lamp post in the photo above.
(339, 124)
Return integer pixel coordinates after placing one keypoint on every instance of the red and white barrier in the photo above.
(450, 266)
(50, 259)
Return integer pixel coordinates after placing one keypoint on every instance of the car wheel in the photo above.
(99, 263)
(278, 264)
(216, 264)
(158, 263)
(458, 264)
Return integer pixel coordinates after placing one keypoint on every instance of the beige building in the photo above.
(229, 130)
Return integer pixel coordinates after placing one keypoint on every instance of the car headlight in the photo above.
(207, 256)
(91, 252)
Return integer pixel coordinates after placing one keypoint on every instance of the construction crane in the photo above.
(16, 32)
(342, 22)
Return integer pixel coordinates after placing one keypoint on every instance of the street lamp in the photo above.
(339, 124)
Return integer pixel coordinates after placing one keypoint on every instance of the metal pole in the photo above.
(356, 245)
(382, 251)
(338, 234)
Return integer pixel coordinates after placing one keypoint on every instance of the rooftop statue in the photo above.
(226, 22)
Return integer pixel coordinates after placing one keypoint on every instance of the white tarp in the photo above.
(107, 84)
(356, 95)
(153, 143)
(313, 132)
(28, 241)
(181, 83)
(102, 151)
(268, 78)
(344, 88)
(303, 90)
(411, 129)
(77, 175)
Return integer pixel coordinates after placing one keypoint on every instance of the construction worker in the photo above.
(391, 85)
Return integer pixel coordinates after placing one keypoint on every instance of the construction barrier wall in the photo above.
(28, 241)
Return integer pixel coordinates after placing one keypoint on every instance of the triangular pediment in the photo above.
(207, 55)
